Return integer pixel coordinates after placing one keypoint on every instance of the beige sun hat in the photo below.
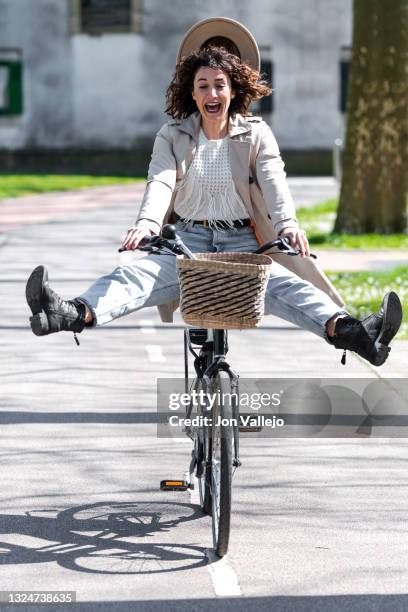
(202, 31)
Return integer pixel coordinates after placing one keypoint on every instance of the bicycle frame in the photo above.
(207, 363)
(211, 458)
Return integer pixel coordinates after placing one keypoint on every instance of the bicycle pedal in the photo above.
(174, 485)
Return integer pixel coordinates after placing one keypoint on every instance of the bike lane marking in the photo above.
(194, 494)
(224, 579)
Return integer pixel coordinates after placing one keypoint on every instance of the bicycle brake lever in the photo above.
(297, 253)
(286, 246)
(312, 255)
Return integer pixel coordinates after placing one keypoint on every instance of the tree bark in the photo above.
(373, 194)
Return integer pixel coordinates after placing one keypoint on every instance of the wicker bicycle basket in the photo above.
(223, 290)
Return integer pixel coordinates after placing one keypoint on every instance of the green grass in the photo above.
(14, 185)
(318, 222)
(363, 291)
(312, 215)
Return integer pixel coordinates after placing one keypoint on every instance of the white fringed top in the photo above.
(208, 189)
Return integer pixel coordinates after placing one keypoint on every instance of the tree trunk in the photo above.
(373, 194)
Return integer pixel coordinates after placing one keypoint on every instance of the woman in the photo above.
(217, 171)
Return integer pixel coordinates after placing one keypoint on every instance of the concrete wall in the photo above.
(306, 37)
(40, 30)
(108, 91)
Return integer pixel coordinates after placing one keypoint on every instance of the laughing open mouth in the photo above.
(213, 107)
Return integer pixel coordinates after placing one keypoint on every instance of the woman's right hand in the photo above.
(133, 237)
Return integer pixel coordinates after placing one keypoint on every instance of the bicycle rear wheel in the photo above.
(221, 464)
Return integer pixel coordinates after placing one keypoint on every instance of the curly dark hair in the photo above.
(246, 82)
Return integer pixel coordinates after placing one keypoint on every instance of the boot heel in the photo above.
(39, 324)
(380, 356)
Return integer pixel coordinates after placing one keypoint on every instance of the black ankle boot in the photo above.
(371, 336)
(50, 313)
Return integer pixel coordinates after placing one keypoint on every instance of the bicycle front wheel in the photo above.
(221, 463)
(203, 457)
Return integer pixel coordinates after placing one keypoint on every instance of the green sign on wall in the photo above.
(11, 88)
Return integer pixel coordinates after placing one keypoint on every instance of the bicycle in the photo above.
(216, 438)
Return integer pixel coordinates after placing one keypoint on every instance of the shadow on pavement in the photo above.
(104, 537)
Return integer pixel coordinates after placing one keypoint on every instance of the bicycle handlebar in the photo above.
(283, 244)
(171, 242)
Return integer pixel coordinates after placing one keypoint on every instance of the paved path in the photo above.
(318, 524)
(357, 260)
(18, 212)
(25, 210)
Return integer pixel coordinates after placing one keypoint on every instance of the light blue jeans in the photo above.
(153, 280)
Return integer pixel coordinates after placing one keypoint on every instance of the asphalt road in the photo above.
(318, 524)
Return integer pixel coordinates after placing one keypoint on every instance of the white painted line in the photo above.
(223, 577)
(147, 326)
(155, 353)
(194, 493)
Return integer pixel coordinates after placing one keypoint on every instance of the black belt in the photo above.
(237, 223)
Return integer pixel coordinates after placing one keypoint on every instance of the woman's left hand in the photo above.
(297, 239)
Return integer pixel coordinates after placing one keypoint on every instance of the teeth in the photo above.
(213, 107)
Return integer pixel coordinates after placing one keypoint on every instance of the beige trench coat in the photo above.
(259, 177)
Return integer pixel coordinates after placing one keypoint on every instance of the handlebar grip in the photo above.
(143, 242)
(268, 245)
